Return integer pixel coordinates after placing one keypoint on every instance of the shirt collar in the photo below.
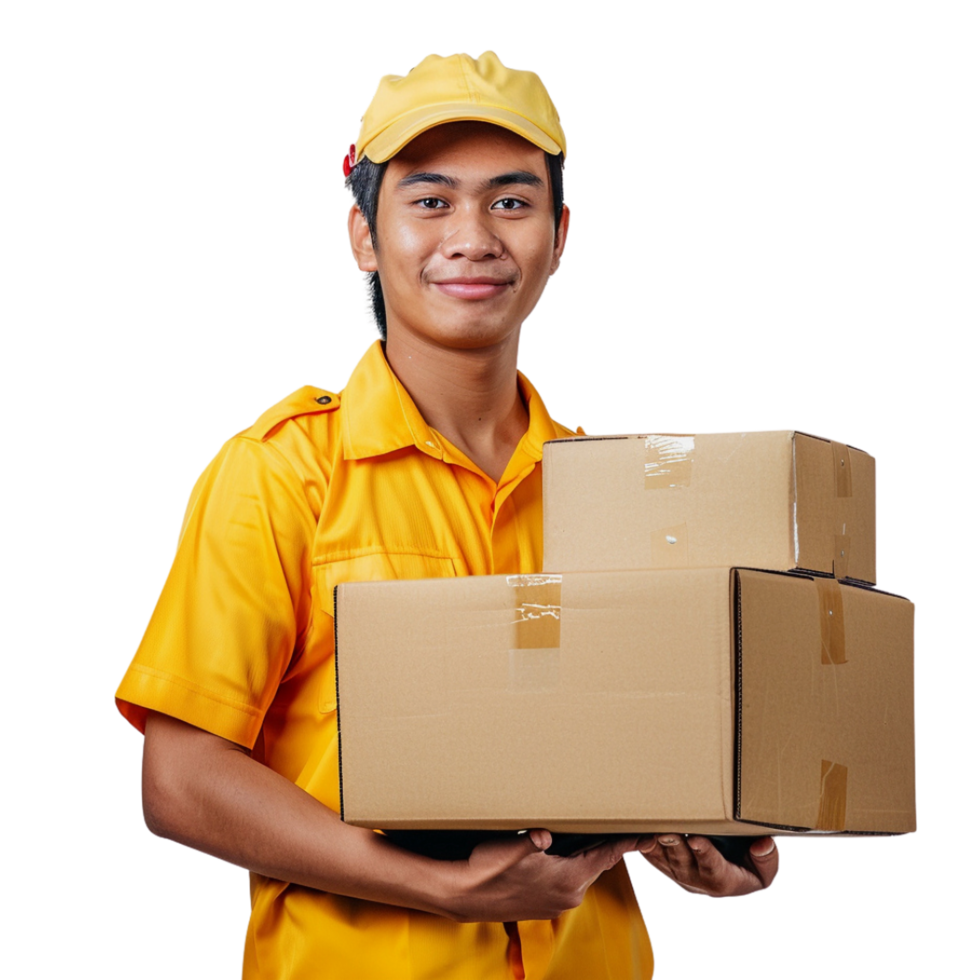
(380, 417)
(541, 427)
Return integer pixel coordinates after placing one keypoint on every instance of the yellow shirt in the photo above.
(326, 489)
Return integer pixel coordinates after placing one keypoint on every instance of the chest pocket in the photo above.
(380, 567)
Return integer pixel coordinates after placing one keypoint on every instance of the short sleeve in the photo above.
(235, 603)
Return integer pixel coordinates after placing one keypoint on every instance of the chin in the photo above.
(468, 333)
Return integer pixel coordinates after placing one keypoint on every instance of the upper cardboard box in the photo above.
(771, 500)
(699, 700)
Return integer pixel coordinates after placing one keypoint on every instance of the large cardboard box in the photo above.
(701, 700)
(775, 500)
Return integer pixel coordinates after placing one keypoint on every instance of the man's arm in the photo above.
(206, 792)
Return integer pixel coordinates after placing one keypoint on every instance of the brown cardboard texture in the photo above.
(776, 500)
(697, 700)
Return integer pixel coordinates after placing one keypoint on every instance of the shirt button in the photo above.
(324, 400)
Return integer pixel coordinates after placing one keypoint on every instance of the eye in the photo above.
(508, 204)
(431, 203)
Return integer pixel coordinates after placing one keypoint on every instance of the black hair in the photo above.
(364, 182)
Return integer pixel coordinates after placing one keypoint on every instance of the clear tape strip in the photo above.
(832, 812)
(833, 649)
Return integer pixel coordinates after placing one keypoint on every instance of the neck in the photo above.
(470, 396)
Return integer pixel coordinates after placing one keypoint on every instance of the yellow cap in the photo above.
(453, 89)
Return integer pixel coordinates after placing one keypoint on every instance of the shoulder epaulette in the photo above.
(306, 401)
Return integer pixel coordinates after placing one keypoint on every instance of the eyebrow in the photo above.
(502, 180)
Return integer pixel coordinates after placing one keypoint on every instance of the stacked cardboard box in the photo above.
(703, 653)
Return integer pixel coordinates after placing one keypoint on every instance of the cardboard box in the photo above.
(700, 700)
(774, 500)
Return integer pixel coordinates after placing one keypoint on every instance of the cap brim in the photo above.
(401, 132)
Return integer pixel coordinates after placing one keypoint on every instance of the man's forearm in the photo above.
(208, 793)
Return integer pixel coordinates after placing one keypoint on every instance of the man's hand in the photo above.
(696, 865)
(507, 880)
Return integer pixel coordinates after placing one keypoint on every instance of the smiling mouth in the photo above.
(473, 287)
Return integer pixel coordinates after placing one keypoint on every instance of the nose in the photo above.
(472, 237)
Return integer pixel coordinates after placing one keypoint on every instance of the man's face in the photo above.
(466, 238)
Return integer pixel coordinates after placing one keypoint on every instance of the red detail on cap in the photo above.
(348, 160)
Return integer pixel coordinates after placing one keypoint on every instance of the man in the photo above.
(426, 465)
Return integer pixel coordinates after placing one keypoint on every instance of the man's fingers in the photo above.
(625, 846)
(506, 852)
(765, 856)
(708, 857)
(696, 864)
(600, 859)
(654, 851)
(693, 863)
(678, 855)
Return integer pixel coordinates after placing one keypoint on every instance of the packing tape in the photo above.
(668, 547)
(668, 462)
(842, 468)
(832, 813)
(535, 658)
(832, 650)
(841, 459)
(537, 607)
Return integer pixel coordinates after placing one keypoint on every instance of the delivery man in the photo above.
(427, 464)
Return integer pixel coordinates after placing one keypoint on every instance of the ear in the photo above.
(360, 241)
(561, 233)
